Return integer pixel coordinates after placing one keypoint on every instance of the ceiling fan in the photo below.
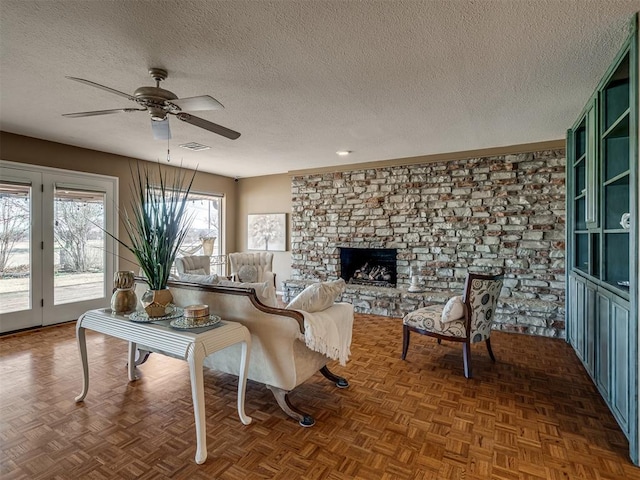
(160, 103)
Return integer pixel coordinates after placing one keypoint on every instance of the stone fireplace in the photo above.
(480, 214)
(369, 266)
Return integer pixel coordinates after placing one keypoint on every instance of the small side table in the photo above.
(192, 347)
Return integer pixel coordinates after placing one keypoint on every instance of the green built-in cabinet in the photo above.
(602, 239)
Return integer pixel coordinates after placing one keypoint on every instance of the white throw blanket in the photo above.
(329, 334)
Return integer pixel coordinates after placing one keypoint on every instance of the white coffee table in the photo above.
(184, 344)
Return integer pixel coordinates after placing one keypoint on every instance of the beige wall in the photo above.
(17, 148)
(267, 194)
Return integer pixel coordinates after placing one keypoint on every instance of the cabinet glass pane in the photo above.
(595, 254)
(581, 140)
(616, 150)
(580, 177)
(616, 94)
(616, 101)
(582, 252)
(616, 258)
(580, 214)
(616, 202)
(579, 159)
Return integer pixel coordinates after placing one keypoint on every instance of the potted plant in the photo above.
(156, 223)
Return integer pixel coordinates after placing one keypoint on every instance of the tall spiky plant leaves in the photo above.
(157, 221)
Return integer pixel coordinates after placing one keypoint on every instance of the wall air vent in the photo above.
(196, 147)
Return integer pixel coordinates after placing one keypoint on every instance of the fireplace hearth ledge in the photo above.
(397, 302)
(385, 301)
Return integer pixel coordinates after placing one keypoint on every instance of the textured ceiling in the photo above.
(302, 79)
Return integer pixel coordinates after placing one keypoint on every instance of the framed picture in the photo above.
(267, 231)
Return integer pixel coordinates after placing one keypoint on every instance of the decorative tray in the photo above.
(187, 323)
(143, 317)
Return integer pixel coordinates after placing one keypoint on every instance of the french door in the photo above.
(56, 261)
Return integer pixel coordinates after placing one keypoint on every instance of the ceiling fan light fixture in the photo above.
(157, 114)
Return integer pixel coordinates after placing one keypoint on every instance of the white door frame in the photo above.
(31, 317)
(44, 179)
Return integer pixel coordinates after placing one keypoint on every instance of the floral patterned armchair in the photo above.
(466, 319)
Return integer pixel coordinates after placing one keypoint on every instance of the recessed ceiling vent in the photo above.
(196, 147)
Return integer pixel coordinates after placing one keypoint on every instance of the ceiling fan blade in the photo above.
(161, 130)
(102, 87)
(102, 112)
(203, 102)
(207, 125)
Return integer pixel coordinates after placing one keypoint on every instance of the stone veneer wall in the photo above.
(479, 214)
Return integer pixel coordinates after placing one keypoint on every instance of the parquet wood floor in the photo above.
(533, 415)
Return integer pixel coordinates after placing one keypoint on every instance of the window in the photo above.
(204, 237)
(79, 244)
(15, 247)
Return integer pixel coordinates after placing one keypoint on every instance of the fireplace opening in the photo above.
(369, 266)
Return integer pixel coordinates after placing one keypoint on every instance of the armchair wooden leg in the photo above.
(405, 341)
(142, 356)
(493, 359)
(339, 381)
(439, 341)
(466, 358)
(282, 397)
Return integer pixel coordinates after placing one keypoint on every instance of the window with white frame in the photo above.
(205, 232)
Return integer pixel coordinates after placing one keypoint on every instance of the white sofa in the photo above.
(279, 357)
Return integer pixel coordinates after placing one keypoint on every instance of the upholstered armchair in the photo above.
(193, 265)
(466, 319)
(252, 267)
